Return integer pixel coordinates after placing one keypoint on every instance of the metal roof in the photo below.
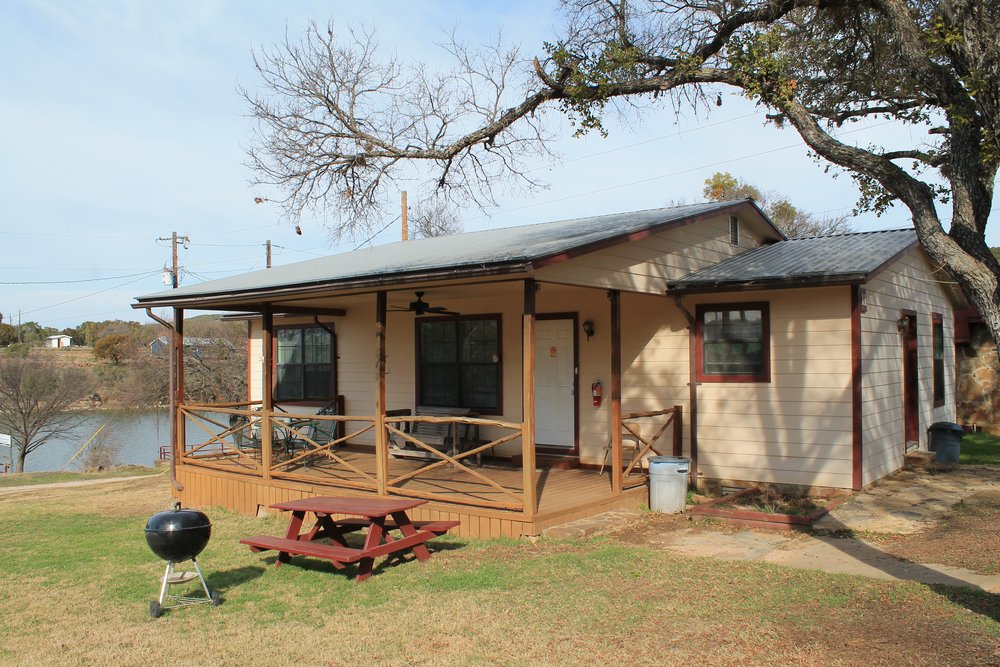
(512, 247)
(820, 259)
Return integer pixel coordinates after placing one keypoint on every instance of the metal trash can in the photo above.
(668, 483)
(945, 441)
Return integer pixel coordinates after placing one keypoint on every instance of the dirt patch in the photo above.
(646, 529)
(968, 537)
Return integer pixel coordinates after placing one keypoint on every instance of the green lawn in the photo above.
(78, 578)
(29, 478)
(980, 448)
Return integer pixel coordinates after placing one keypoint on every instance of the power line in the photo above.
(87, 296)
(70, 282)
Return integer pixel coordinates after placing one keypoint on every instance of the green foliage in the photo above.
(115, 348)
(8, 335)
(587, 76)
(763, 65)
(722, 186)
(19, 350)
(980, 448)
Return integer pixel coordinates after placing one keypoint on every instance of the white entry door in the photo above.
(555, 381)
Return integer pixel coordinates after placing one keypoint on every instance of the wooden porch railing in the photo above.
(516, 501)
(651, 444)
(236, 442)
(232, 447)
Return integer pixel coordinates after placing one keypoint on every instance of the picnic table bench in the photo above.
(370, 513)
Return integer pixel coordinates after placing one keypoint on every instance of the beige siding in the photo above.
(906, 284)
(795, 429)
(646, 264)
(654, 361)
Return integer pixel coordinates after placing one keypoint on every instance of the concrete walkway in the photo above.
(7, 490)
(907, 502)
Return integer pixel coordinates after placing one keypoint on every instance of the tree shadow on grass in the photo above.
(958, 591)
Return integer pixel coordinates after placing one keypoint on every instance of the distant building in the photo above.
(59, 340)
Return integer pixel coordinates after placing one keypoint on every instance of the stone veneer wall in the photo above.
(978, 400)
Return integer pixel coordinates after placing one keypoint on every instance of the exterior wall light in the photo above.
(588, 329)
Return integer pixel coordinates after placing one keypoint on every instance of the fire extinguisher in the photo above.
(595, 392)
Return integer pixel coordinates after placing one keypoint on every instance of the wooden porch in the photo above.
(500, 499)
(490, 500)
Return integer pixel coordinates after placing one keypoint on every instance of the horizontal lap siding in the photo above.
(654, 368)
(795, 429)
(906, 284)
(645, 265)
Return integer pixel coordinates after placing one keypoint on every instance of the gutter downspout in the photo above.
(692, 390)
(171, 375)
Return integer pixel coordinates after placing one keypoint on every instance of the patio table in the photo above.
(378, 515)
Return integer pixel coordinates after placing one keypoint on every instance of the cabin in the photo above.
(518, 378)
(59, 340)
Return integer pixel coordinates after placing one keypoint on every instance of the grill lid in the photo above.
(177, 519)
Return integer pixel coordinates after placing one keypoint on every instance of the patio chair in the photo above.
(630, 447)
(320, 431)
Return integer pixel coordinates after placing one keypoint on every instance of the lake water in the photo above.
(139, 435)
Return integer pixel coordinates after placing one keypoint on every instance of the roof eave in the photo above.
(239, 299)
(776, 283)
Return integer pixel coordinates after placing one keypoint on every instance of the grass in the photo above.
(78, 579)
(31, 478)
(980, 448)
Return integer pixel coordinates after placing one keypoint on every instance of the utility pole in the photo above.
(405, 231)
(268, 246)
(174, 278)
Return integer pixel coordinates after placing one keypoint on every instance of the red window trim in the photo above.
(937, 318)
(764, 307)
(454, 318)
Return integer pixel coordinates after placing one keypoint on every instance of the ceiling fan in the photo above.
(421, 307)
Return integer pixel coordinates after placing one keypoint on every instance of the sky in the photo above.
(123, 123)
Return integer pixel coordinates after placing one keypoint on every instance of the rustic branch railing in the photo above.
(295, 426)
(646, 445)
(226, 448)
(517, 498)
(203, 452)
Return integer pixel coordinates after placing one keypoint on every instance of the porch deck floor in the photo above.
(557, 490)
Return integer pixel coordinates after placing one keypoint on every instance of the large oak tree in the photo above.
(339, 122)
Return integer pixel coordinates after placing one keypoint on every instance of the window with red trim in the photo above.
(733, 342)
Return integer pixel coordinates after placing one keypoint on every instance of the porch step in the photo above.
(919, 458)
(593, 525)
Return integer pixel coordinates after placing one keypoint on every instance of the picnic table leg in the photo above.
(376, 531)
(406, 527)
(294, 526)
(329, 529)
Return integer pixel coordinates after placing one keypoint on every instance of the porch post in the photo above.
(616, 392)
(381, 446)
(267, 391)
(177, 398)
(528, 399)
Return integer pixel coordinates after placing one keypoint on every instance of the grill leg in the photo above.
(166, 578)
(204, 585)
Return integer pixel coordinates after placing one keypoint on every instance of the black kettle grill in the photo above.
(175, 536)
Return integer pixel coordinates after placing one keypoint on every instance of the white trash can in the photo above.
(668, 483)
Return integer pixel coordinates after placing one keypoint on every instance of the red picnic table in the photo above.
(358, 514)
